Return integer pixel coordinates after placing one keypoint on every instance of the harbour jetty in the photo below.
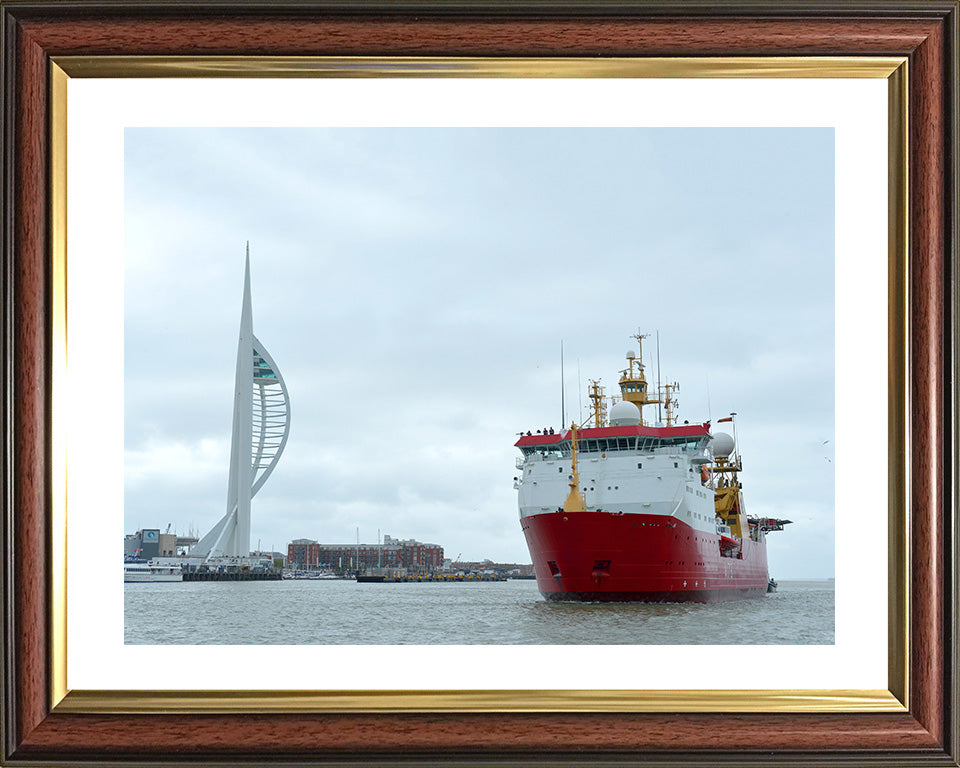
(208, 575)
(433, 578)
(231, 569)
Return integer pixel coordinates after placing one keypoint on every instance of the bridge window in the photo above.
(603, 445)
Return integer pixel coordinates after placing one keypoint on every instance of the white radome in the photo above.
(624, 414)
(722, 444)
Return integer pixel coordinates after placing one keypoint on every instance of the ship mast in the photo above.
(599, 405)
(669, 401)
(728, 465)
(633, 382)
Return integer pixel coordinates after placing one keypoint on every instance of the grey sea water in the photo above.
(498, 613)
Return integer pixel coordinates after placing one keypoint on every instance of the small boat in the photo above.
(772, 585)
(138, 571)
(309, 575)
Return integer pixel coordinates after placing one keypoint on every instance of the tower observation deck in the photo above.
(261, 424)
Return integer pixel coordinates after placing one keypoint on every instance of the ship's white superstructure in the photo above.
(625, 474)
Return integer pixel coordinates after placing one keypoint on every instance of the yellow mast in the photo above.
(727, 485)
(669, 401)
(599, 414)
(633, 383)
(575, 501)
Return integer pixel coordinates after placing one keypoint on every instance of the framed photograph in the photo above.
(122, 120)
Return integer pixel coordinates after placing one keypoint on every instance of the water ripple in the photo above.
(501, 613)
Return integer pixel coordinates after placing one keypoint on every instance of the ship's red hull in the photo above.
(604, 557)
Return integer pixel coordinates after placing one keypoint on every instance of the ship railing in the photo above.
(521, 461)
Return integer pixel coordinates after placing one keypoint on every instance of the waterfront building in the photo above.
(148, 543)
(303, 553)
(277, 559)
(410, 554)
(261, 424)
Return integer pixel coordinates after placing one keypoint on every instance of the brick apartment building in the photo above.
(410, 554)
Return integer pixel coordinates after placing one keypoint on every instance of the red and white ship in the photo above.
(619, 510)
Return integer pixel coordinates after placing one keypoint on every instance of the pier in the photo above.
(431, 578)
(231, 569)
(231, 575)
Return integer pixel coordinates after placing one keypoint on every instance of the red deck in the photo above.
(604, 557)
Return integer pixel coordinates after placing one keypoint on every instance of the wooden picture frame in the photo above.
(40, 726)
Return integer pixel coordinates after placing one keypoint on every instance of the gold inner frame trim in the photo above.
(893, 69)
(429, 66)
(898, 414)
(58, 365)
(237, 702)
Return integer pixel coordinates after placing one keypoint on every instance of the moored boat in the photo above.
(138, 570)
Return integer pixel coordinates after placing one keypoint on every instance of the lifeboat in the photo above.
(730, 546)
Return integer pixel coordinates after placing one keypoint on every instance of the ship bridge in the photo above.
(667, 433)
(691, 438)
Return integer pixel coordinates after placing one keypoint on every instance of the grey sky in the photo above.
(414, 285)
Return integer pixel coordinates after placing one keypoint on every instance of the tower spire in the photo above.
(246, 311)
(238, 493)
(257, 440)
